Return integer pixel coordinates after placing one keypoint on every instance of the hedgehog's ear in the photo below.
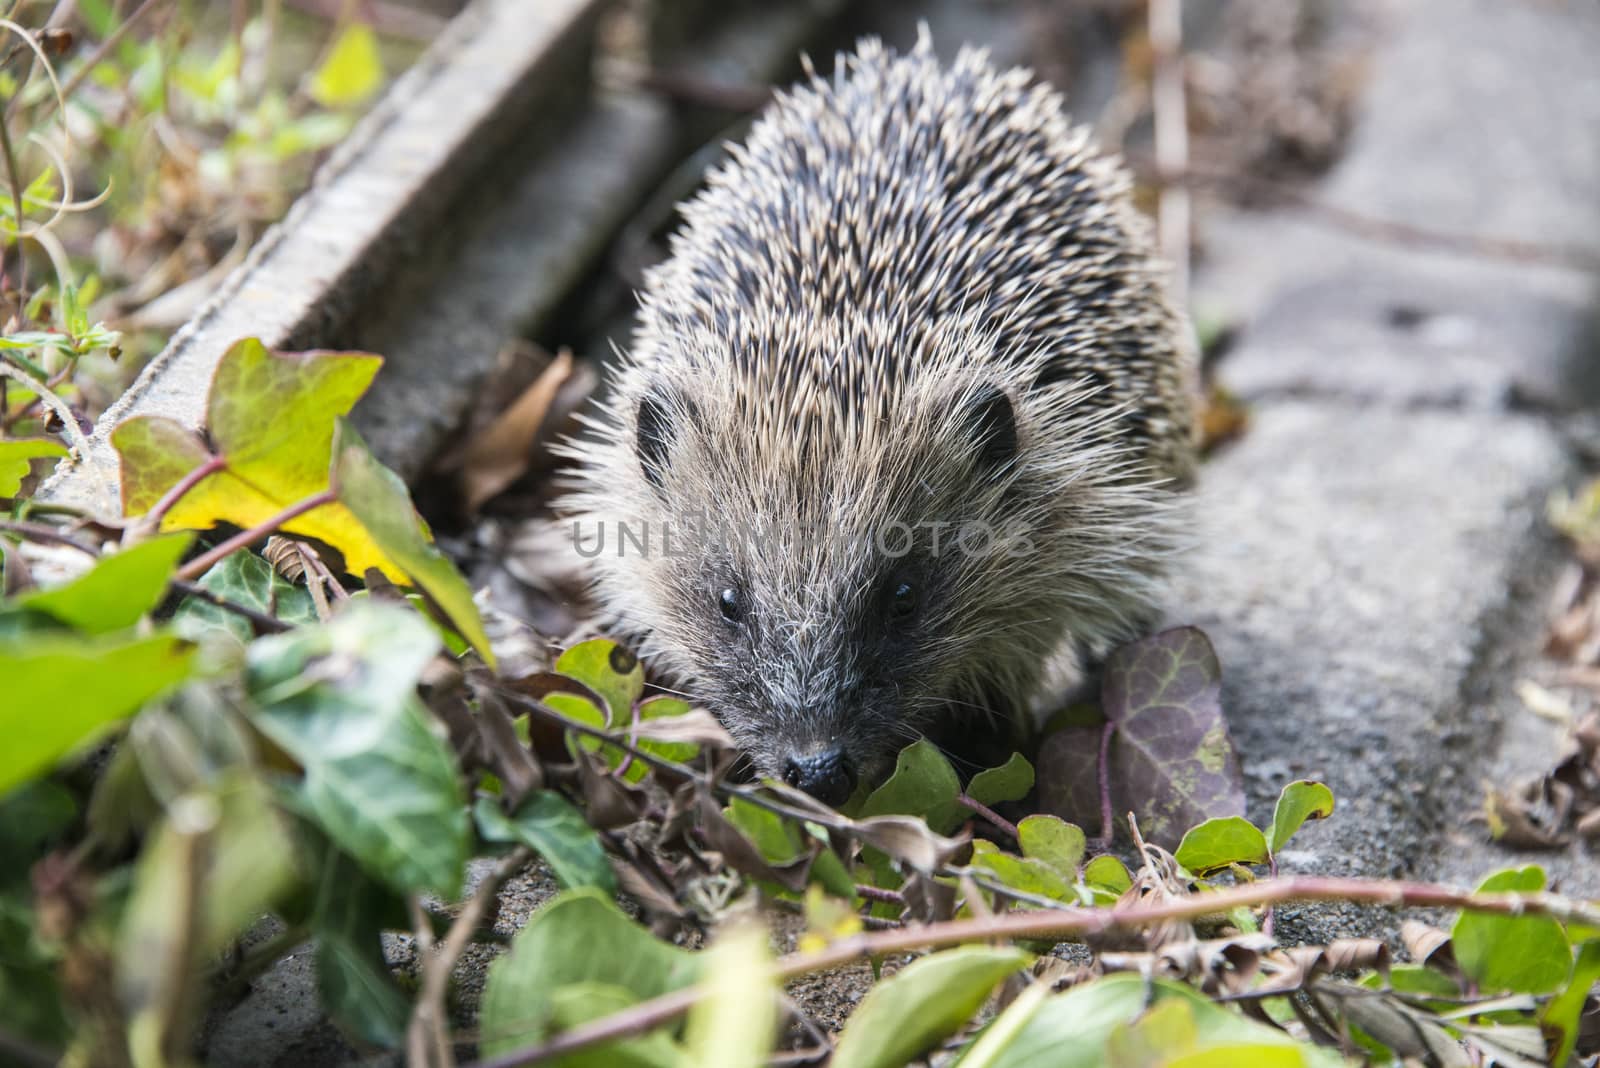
(657, 429)
(991, 423)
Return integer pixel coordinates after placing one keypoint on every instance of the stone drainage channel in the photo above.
(1372, 562)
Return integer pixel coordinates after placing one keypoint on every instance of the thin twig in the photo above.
(873, 893)
(421, 1041)
(204, 562)
(69, 422)
(429, 1020)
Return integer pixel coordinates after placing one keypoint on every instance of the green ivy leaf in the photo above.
(1075, 1029)
(776, 838)
(117, 592)
(1300, 801)
(1218, 843)
(1011, 781)
(922, 1004)
(1108, 874)
(62, 691)
(582, 710)
(1165, 1032)
(548, 824)
(1027, 874)
(584, 1002)
(352, 71)
(923, 784)
(354, 983)
(379, 501)
(989, 1047)
(662, 708)
(580, 937)
(219, 860)
(1515, 954)
(1563, 1013)
(1440, 990)
(735, 1024)
(16, 460)
(245, 579)
(611, 671)
(1171, 757)
(1054, 841)
(341, 700)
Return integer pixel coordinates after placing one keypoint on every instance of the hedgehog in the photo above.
(900, 444)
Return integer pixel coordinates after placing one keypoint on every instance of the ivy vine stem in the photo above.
(69, 422)
(179, 489)
(998, 821)
(1064, 924)
(243, 540)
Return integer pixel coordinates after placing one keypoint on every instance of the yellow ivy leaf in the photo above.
(270, 417)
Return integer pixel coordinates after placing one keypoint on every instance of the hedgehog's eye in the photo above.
(731, 602)
(902, 601)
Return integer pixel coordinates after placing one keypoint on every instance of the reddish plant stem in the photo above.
(204, 562)
(188, 482)
(990, 815)
(1067, 923)
(873, 893)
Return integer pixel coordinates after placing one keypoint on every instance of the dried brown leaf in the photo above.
(610, 801)
(908, 839)
(928, 900)
(697, 727)
(1428, 945)
(741, 854)
(1407, 1031)
(1358, 954)
(505, 753)
(504, 450)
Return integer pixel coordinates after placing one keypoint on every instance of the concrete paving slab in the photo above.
(1480, 120)
(1374, 559)
(1354, 564)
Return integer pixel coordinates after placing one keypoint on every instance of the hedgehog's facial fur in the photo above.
(833, 615)
(914, 300)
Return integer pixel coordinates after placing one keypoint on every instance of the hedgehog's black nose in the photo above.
(826, 774)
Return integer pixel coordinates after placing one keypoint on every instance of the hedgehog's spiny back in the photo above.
(901, 198)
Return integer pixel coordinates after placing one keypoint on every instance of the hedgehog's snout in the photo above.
(825, 772)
